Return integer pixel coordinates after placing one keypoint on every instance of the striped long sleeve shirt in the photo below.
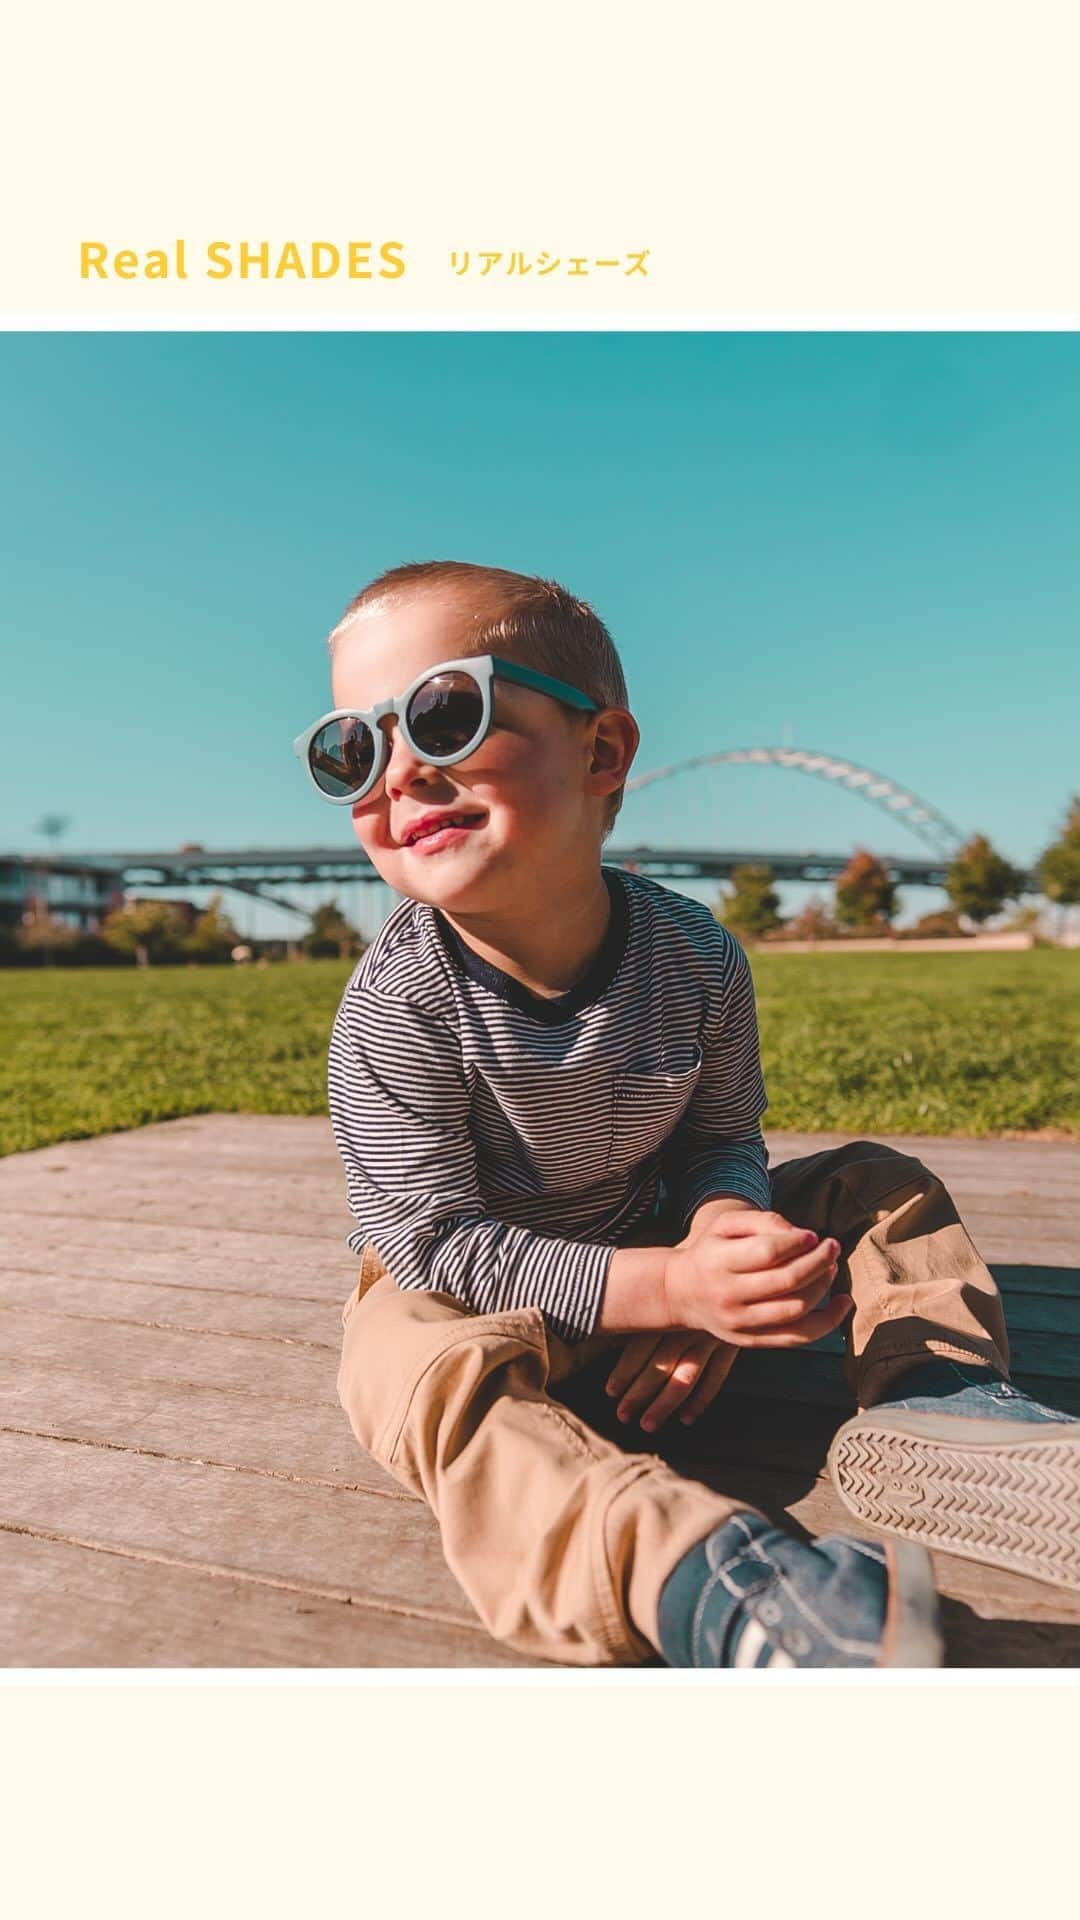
(498, 1146)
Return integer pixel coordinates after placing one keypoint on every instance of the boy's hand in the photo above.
(754, 1280)
(657, 1373)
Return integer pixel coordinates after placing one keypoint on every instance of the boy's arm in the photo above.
(399, 1107)
(716, 1156)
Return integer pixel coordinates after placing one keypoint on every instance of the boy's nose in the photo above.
(403, 766)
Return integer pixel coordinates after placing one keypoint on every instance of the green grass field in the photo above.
(855, 1043)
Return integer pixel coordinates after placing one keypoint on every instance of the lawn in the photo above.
(854, 1043)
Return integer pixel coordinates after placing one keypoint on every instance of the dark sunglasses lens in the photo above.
(341, 756)
(445, 714)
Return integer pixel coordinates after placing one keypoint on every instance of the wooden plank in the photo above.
(305, 1375)
(225, 1132)
(982, 1189)
(135, 1189)
(181, 1420)
(339, 1542)
(144, 1159)
(215, 1253)
(53, 1267)
(260, 1144)
(1039, 1222)
(265, 1209)
(952, 1150)
(253, 1316)
(69, 1606)
(1013, 1244)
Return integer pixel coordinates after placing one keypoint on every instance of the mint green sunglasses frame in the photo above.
(484, 668)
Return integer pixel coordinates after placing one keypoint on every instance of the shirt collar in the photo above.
(550, 1012)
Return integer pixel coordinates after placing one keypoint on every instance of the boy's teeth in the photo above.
(452, 820)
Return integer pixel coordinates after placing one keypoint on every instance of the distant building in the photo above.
(78, 894)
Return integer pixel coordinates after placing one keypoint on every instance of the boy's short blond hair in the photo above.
(533, 621)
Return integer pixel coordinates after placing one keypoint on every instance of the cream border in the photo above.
(416, 1801)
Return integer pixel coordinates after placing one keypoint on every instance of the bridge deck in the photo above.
(179, 1486)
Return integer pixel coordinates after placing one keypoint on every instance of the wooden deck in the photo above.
(179, 1484)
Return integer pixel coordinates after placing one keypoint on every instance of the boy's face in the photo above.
(530, 814)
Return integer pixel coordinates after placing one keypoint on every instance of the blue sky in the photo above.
(861, 543)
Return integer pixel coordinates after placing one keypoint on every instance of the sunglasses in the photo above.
(443, 716)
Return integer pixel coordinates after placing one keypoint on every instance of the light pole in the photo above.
(53, 826)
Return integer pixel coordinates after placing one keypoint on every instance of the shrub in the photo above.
(943, 925)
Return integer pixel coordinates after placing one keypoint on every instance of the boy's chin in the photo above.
(439, 881)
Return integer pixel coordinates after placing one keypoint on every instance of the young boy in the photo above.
(546, 1092)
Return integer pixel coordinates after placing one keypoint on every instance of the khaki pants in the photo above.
(561, 1539)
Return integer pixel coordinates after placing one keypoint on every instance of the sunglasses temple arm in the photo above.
(544, 683)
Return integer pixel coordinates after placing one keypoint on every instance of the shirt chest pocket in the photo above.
(649, 1103)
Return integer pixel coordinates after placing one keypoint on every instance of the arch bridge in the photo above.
(924, 820)
(261, 872)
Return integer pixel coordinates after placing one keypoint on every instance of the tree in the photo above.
(753, 906)
(213, 936)
(330, 935)
(1059, 867)
(980, 880)
(153, 930)
(865, 894)
(815, 922)
(45, 937)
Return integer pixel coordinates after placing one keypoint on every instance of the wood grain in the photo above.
(93, 1608)
(179, 1485)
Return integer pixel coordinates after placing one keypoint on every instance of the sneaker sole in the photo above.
(961, 1486)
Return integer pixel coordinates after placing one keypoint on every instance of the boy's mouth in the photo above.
(434, 830)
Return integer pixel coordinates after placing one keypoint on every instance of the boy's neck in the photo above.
(548, 949)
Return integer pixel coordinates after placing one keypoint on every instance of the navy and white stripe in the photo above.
(498, 1146)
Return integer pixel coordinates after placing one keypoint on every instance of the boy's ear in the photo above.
(613, 744)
